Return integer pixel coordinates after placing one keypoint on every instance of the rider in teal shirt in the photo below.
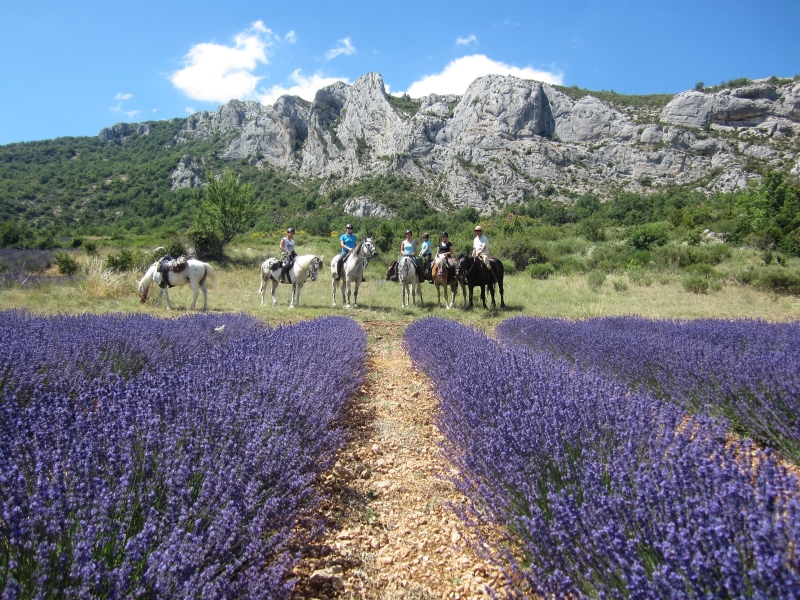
(347, 241)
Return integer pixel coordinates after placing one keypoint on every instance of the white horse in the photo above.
(305, 267)
(195, 274)
(352, 270)
(407, 275)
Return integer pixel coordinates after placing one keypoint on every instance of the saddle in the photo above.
(167, 264)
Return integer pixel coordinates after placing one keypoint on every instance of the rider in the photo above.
(445, 249)
(287, 253)
(480, 249)
(347, 241)
(425, 252)
(407, 248)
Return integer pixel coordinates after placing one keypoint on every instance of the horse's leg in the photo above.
(272, 290)
(294, 290)
(166, 295)
(491, 291)
(262, 288)
(195, 292)
(205, 295)
(357, 283)
(402, 294)
(483, 295)
(333, 289)
(500, 286)
(299, 288)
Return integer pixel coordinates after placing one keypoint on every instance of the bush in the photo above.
(67, 265)
(519, 249)
(610, 257)
(540, 270)
(746, 276)
(572, 264)
(175, 248)
(90, 247)
(596, 278)
(124, 261)
(620, 285)
(647, 237)
(674, 257)
(696, 284)
(76, 242)
(779, 279)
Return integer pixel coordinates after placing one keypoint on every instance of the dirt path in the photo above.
(390, 530)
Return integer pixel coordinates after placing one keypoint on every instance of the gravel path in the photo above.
(390, 531)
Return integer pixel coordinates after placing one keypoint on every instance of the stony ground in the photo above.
(391, 531)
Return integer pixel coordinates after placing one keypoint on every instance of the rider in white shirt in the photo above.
(480, 249)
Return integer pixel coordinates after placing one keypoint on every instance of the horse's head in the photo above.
(391, 272)
(369, 248)
(313, 268)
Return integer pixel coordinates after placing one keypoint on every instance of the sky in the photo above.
(70, 68)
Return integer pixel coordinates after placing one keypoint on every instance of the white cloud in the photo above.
(190, 110)
(290, 37)
(121, 96)
(345, 47)
(218, 73)
(155, 110)
(456, 77)
(130, 113)
(470, 39)
(305, 87)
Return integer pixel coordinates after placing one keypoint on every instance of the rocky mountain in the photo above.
(506, 140)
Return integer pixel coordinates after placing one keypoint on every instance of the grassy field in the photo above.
(237, 290)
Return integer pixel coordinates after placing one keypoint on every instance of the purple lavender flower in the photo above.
(610, 492)
(150, 457)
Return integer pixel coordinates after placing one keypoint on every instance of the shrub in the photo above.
(123, 261)
(519, 249)
(67, 265)
(592, 231)
(175, 248)
(540, 270)
(696, 284)
(647, 237)
(571, 264)
(90, 247)
(76, 242)
(620, 285)
(596, 278)
(745, 276)
(779, 279)
(674, 257)
(610, 257)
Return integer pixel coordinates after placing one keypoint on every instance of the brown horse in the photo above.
(473, 273)
(444, 277)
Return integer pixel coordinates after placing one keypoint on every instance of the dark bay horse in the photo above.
(472, 272)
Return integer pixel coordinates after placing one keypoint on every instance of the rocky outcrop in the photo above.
(508, 140)
(187, 174)
(122, 131)
(362, 206)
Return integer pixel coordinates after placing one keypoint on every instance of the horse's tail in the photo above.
(210, 274)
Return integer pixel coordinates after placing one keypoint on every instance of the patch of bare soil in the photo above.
(390, 528)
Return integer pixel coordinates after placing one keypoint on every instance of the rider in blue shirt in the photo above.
(425, 256)
(347, 241)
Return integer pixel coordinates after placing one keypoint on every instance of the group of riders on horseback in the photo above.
(425, 259)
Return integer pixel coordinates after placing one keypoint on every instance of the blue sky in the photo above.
(74, 67)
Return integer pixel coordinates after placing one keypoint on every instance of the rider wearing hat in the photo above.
(347, 241)
(287, 253)
(480, 249)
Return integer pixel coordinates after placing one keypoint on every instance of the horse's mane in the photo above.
(357, 249)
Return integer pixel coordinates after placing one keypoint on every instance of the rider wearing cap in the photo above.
(287, 253)
(480, 249)
(347, 241)
(445, 249)
(425, 254)
(407, 248)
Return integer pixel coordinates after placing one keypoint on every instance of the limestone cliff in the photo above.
(507, 139)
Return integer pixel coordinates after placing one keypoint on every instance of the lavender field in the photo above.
(746, 371)
(607, 492)
(144, 457)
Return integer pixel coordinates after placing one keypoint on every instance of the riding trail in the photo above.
(390, 527)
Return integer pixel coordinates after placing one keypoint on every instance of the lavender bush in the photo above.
(748, 371)
(608, 493)
(142, 457)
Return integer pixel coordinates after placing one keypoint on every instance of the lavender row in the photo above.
(164, 458)
(608, 493)
(747, 371)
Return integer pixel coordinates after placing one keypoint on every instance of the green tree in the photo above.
(226, 209)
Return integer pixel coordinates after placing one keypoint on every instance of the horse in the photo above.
(407, 274)
(473, 272)
(443, 278)
(305, 267)
(352, 270)
(195, 274)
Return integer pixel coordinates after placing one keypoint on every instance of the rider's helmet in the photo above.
(425, 236)
(408, 231)
(478, 228)
(443, 234)
(348, 226)
(290, 230)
